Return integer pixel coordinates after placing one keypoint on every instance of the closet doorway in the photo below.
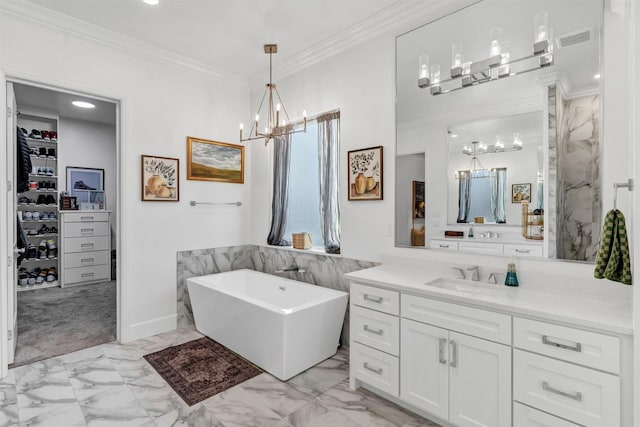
(64, 294)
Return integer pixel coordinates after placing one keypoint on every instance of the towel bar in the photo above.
(194, 203)
(628, 185)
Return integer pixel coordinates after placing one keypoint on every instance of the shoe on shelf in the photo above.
(42, 199)
(27, 216)
(54, 135)
(41, 277)
(52, 248)
(44, 230)
(52, 275)
(35, 134)
(46, 136)
(51, 185)
(51, 153)
(53, 230)
(32, 232)
(42, 249)
(42, 185)
(80, 185)
(44, 216)
(23, 277)
(49, 172)
(35, 216)
(23, 200)
(32, 279)
(33, 185)
(32, 251)
(52, 216)
(41, 171)
(24, 132)
(50, 200)
(42, 152)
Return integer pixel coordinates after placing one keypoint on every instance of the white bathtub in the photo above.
(281, 325)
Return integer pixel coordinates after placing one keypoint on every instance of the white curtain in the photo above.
(329, 159)
(464, 195)
(280, 201)
(498, 194)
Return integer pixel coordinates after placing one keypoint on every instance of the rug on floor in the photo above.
(201, 368)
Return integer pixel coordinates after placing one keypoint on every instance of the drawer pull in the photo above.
(577, 396)
(523, 251)
(86, 245)
(368, 297)
(87, 260)
(87, 275)
(442, 343)
(577, 347)
(373, 331)
(454, 354)
(443, 246)
(86, 218)
(86, 230)
(369, 368)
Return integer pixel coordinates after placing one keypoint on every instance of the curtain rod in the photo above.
(315, 117)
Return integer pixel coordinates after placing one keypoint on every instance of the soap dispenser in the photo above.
(512, 277)
(471, 231)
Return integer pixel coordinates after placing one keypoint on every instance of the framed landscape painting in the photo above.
(214, 161)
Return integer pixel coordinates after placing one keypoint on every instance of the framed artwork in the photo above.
(418, 199)
(160, 179)
(81, 181)
(365, 174)
(520, 193)
(214, 161)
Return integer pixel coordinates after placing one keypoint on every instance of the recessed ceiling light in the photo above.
(83, 104)
(597, 76)
(151, 2)
(454, 135)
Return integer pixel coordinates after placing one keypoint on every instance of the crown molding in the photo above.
(58, 21)
(399, 18)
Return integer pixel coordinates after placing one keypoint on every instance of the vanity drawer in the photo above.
(86, 216)
(376, 368)
(579, 394)
(375, 298)
(86, 274)
(443, 244)
(472, 321)
(522, 250)
(378, 330)
(481, 247)
(87, 259)
(574, 345)
(79, 229)
(86, 244)
(524, 416)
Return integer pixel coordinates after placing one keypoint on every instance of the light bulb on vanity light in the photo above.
(456, 59)
(494, 36)
(423, 71)
(241, 129)
(435, 79)
(517, 142)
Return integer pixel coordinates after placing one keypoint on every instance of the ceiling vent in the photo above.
(575, 37)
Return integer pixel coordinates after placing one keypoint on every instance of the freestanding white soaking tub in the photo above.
(281, 325)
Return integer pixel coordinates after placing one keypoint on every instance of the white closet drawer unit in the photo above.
(443, 244)
(86, 216)
(576, 393)
(479, 323)
(375, 329)
(524, 416)
(79, 229)
(522, 250)
(86, 274)
(573, 345)
(376, 368)
(86, 244)
(375, 298)
(481, 247)
(80, 259)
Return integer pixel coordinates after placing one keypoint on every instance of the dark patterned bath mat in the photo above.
(201, 368)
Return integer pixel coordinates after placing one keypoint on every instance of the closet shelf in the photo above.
(37, 260)
(38, 286)
(41, 141)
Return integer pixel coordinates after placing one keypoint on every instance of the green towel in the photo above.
(613, 261)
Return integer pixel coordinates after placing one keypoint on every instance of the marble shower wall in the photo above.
(551, 212)
(320, 269)
(578, 178)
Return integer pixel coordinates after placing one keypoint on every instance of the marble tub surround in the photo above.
(112, 384)
(612, 314)
(320, 269)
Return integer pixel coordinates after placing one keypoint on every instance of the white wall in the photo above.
(162, 104)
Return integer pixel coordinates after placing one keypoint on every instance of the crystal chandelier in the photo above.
(278, 122)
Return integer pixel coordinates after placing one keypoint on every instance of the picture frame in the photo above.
(214, 161)
(365, 174)
(418, 199)
(81, 181)
(520, 193)
(160, 179)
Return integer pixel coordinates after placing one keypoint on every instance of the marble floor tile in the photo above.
(92, 376)
(323, 376)
(314, 414)
(274, 394)
(131, 370)
(8, 401)
(237, 408)
(194, 416)
(155, 395)
(116, 406)
(67, 415)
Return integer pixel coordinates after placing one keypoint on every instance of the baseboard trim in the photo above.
(149, 328)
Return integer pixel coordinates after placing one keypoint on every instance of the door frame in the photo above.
(45, 82)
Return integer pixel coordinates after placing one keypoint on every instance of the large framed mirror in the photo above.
(499, 115)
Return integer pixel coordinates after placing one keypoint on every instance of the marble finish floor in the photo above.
(112, 385)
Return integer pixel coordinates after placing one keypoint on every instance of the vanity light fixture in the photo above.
(275, 126)
(478, 147)
(83, 104)
(497, 65)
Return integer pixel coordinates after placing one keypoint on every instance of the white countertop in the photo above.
(516, 240)
(613, 315)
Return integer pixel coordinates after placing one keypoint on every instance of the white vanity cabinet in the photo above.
(460, 378)
(478, 246)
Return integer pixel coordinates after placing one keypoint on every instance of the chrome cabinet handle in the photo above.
(454, 354)
(443, 246)
(577, 396)
(86, 275)
(369, 368)
(523, 251)
(442, 343)
(86, 218)
(86, 230)
(87, 260)
(577, 347)
(368, 297)
(373, 331)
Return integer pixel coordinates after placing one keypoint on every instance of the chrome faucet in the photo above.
(292, 267)
(475, 272)
(493, 278)
(459, 271)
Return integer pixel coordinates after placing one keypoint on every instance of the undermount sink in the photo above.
(466, 286)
